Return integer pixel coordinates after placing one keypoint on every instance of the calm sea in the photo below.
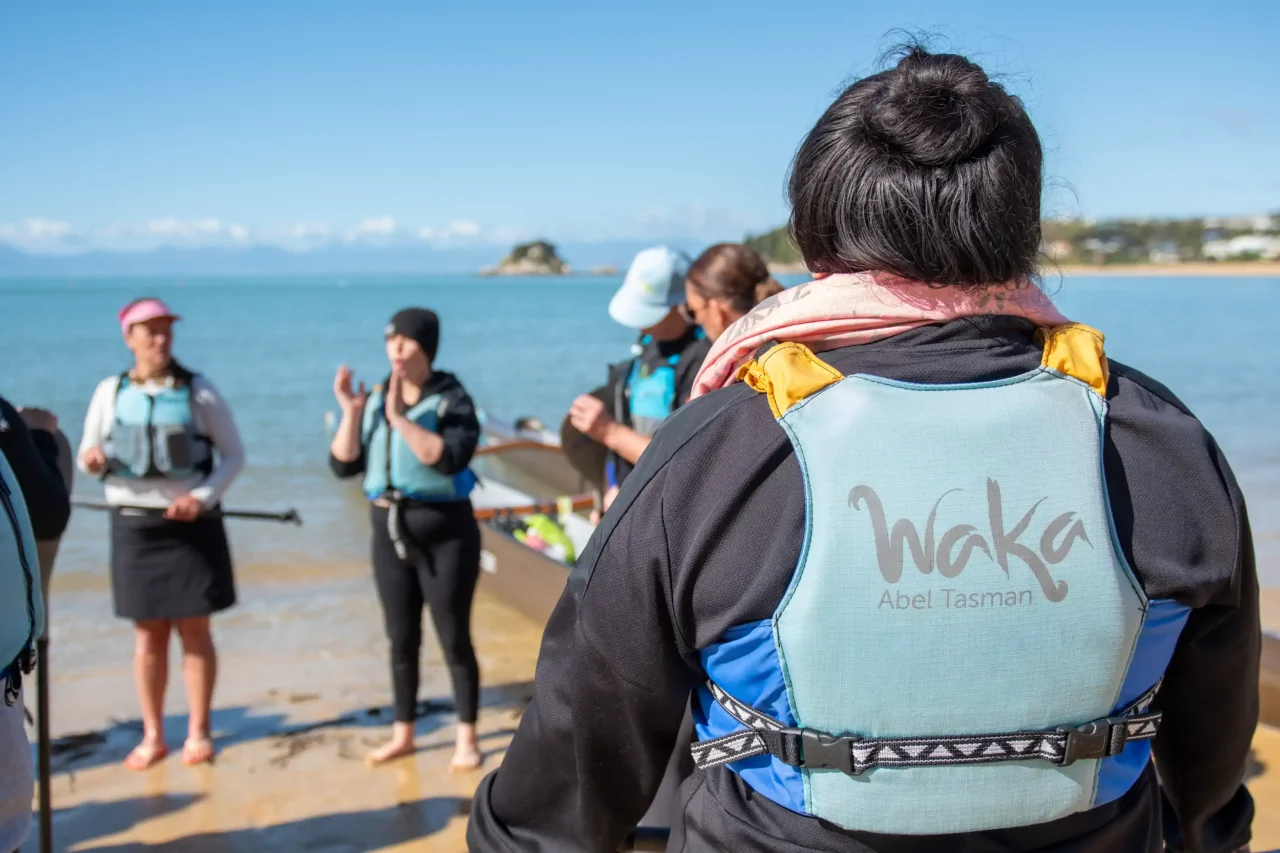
(527, 347)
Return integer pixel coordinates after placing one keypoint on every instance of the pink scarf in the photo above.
(842, 310)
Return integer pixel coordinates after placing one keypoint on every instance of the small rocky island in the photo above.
(536, 258)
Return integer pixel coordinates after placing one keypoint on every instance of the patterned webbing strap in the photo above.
(1062, 746)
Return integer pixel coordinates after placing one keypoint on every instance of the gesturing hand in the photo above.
(350, 401)
(394, 403)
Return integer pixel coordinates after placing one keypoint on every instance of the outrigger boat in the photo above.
(521, 472)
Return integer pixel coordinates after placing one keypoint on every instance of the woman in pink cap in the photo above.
(161, 437)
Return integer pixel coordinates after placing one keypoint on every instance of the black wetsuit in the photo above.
(443, 571)
(706, 534)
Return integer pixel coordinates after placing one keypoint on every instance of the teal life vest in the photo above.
(391, 469)
(154, 434)
(651, 390)
(21, 601)
(963, 646)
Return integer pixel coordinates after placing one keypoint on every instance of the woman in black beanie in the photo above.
(412, 439)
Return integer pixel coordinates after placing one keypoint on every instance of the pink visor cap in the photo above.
(142, 311)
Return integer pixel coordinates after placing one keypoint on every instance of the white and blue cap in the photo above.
(654, 284)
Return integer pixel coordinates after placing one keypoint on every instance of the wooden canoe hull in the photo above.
(520, 577)
(530, 462)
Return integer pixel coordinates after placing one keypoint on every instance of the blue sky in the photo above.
(127, 124)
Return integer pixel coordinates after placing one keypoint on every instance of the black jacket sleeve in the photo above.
(611, 689)
(33, 456)
(460, 428)
(355, 467)
(1210, 705)
(1181, 519)
(345, 470)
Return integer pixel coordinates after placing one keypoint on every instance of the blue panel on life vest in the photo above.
(1165, 620)
(651, 395)
(745, 663)
(959, 576)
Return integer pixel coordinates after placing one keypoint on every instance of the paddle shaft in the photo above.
(43, 749)
(289, 516)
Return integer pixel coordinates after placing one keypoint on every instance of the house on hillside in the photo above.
(1242, 247)
(1164, 252)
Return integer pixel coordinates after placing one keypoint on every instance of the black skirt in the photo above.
(163, 569)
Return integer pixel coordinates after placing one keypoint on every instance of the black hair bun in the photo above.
(934, 109)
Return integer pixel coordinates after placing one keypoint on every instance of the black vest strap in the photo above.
(802, 747)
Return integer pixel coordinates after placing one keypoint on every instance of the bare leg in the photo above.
(151, 673)
(200, 668)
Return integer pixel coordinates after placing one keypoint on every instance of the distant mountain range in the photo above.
(331, 260)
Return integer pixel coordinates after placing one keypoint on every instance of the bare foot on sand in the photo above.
(466, 750)
(197, 750)
(146, 755)
(401, 744)
(465, 760)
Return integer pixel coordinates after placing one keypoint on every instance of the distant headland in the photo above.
(536, 258)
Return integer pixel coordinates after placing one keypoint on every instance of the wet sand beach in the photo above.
(301, 699)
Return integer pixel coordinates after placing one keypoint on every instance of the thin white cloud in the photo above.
(183, 229)
(37, 233)
(378, 226)
(458, 229)
(43, 234)
(464, 228)
(307, 230)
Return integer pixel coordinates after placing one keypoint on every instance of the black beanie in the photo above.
(419, 324)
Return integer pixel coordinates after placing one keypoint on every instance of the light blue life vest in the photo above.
(21, 601)
(154, 435)
(391, 469)
(963, 646)
(651, 391)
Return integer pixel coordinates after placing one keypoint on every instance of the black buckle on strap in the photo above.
(1091, 741)
(814, 749)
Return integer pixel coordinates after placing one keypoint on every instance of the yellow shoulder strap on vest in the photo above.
(1075, 350)
(788, 373)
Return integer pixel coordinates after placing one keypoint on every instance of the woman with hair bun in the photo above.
(939, 574)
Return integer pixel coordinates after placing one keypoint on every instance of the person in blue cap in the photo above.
(644, 390)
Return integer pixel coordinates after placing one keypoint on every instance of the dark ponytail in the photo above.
(733, 273)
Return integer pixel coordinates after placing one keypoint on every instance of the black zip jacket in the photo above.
(706, 534)
(33, 456)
